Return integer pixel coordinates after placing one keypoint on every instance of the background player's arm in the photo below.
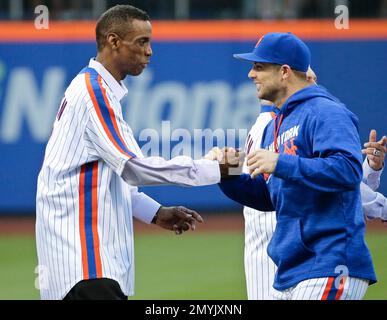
(371, 177)
(374, 203)
(373, 165)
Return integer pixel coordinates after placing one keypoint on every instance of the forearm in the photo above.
(247, 191)
(180, 170)
(374, 203)
(332, 174)
(371, 177)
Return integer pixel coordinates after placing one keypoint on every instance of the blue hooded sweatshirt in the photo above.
(315, 190)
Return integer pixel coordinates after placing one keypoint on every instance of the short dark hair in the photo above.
(114, 18)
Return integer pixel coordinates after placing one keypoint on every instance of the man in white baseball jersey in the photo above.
(87, 194)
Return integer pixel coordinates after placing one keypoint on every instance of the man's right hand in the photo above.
(375, 151)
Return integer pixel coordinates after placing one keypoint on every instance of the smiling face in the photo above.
(133, 49)
(267, 78)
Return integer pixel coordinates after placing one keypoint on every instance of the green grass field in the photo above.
(192, 266)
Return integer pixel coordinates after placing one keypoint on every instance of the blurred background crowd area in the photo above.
(197, 9)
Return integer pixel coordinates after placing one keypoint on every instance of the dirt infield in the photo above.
(232, 222)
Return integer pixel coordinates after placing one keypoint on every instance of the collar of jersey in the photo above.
(118, 88)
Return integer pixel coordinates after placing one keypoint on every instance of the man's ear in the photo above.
(113, 40)
(285, 71)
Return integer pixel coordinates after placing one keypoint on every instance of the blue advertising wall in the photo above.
(194, 85)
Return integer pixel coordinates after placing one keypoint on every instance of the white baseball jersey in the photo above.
(259, 228)
(86, 194)
(330, 288)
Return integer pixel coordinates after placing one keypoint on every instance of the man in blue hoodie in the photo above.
(309, 170)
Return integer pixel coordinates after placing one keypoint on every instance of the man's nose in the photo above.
(251, 74)
(149, 51)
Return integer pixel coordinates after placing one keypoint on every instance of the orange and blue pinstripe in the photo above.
(341, 288)
(331, 292)
(105, 112)
(82, 221)
(88, 221)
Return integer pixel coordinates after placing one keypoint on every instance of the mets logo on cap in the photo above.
(259, 41)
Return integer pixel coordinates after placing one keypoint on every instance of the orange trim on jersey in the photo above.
(327, 288)
(111, 112)
(206, 30)
(341, 288)
(97, 254)
(99, 114)
(273, 114)
(85, 265)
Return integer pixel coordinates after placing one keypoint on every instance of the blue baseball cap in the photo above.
(279, 48)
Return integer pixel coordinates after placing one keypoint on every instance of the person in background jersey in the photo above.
(87, 188)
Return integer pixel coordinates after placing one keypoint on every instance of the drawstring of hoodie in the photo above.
(276, 131)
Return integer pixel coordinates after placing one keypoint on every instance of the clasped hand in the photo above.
(231, 161)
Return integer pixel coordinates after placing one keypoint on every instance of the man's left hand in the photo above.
(375, 151)
(262, 161)
(179, 219)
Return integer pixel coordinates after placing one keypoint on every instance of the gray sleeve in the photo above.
(374, 203)
(180, 170)
(371, 177)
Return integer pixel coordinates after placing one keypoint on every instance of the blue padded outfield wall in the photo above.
(194, 85)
